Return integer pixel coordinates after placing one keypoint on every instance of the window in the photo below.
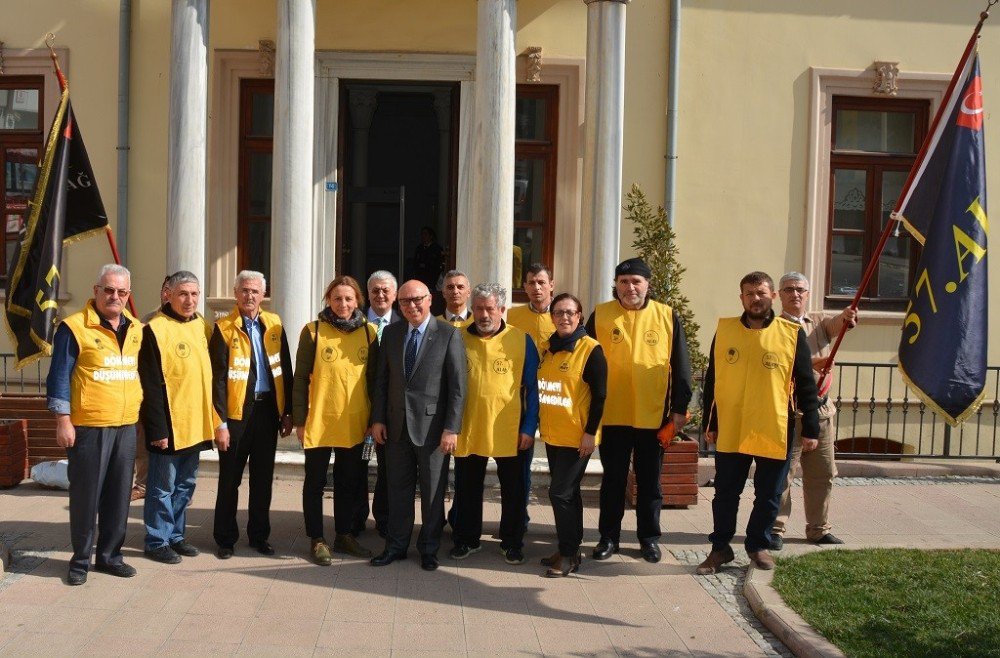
(874, 143)
(254, 204)
(21, 138)
(535, 147)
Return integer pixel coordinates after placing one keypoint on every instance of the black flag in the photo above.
(66, 206)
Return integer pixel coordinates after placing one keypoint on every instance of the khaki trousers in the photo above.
(818, 470)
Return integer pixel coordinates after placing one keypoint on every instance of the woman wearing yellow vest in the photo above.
(572, 385)
(330, 411)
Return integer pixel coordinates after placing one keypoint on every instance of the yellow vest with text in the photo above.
(240, 354)
(492, 415)
(637, 345)
(338, 392)
(753, 386)
(537, 325)
(458, 324)
(563, 396)
(104, 388)
(187, 374)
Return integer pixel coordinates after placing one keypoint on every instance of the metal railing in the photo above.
(29, 380)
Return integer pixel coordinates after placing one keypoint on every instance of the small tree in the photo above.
(656, 243)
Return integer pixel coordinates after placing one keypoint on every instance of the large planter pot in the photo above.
(13, 452)
(679, 478)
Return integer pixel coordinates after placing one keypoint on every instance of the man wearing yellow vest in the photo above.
(251, 392)
(456, 290)
(759, 372)
(649, 386)
(501, 416)
(93, 389)
(177, 415)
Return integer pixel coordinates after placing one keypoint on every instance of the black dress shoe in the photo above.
(386, 557)
(120, 570)
(650, 552)
(76, 577)
(163, 554)
(185, 548)
(605, 549)
(224, 552)
(828, 539)
(262, 547)
(777, 542)
(428, 562)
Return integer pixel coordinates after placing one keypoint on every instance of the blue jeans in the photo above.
(169, 488)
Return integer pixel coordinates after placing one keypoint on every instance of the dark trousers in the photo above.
(380, 499)
(100, 484)
(731, 471)
(470, 472)
(525, 457)
(406, 465)
(618, 443)
(566, 469)
(348, 472)
(253, 439)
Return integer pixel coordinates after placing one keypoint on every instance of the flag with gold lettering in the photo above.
(66, 206)
(942, 351)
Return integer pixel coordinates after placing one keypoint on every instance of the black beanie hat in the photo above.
(634, 266)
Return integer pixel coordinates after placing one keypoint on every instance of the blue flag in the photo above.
(942, 351)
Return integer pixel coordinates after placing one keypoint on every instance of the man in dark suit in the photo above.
(417, 406)
(252, 393)
(380, 312)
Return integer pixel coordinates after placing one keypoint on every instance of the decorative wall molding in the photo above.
(885, 78)
(265, 50)
(533, 64)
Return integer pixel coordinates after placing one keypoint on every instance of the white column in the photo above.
(490, 241)
(292, 184)
(602, 150)
(187, 139)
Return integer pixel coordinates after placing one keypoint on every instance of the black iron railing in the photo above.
(29, 380)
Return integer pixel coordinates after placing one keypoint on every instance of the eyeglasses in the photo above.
(412, 301)
(790, 289)
(565, 314)
(383, 292)
(109, 291)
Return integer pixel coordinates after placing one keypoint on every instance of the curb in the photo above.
(6, 557)
(786, 624)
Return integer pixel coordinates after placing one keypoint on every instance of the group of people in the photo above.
(478, 382)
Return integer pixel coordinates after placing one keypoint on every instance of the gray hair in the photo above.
(181, 277)
(792, 276)
(451, 274)
(382, 275)
(494, 290)
(249, 275)
(113, 269)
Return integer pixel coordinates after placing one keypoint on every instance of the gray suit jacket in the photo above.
(433, 399)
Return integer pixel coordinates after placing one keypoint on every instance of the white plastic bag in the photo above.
(51, 474)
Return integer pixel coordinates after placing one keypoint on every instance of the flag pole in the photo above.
(63, 85)
(894, 217)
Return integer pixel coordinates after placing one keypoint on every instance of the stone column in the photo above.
(187, 139)
(604, 113)
(491, 232)
(292, 189)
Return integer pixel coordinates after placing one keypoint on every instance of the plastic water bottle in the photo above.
(366, 449)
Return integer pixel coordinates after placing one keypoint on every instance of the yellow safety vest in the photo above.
(492, 415)
(638, 346)
(338, 392)
(187, 374)
(104, 387)
(753, 386)
(458, 324)
(563, 396)
(240, 354)
(537, 325)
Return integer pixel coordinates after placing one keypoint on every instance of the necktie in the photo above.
(378, 330)
(410, 357)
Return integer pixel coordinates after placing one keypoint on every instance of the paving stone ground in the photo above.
(285, 605)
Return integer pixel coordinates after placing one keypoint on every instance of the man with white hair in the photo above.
(252, 393)
(815, 455)
(93, 389)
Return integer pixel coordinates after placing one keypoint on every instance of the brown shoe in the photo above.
(321, 553)
(713, 563)
(762, 559)
(349, 545)
(138, 493)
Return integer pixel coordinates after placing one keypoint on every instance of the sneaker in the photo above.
(761, 559)
(163, 554)
(120, 570)
(185, 548)
(828, 540)
(713, 563)
(462, 551)
(321, 553)
(512, 555)
(777, 543)
(76, 578)
(349, 544)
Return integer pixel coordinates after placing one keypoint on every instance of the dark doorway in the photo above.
(398, 160)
